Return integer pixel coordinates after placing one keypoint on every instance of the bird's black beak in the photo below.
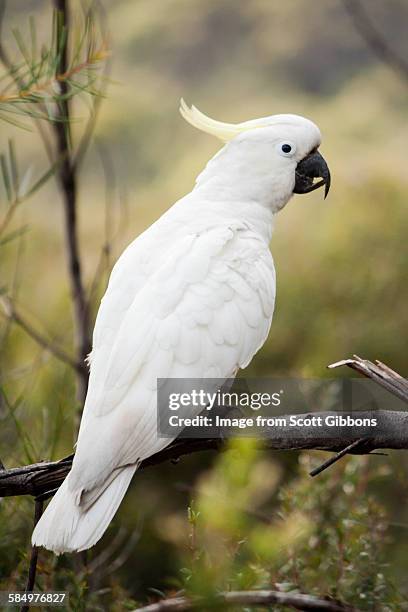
(313, 166)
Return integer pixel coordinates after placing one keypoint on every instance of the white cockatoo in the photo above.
(192, 297)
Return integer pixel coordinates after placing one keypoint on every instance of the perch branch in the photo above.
(297, 601)
(42, 479)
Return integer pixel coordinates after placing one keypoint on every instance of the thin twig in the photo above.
(32, 570)
(264, 598)
(375, 39)
(9, 215)
(123, 556)
(336, 457)
(12, 314)
(102, 559)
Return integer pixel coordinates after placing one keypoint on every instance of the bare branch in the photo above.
(374, 39)
(32, 570)
(12, 314)
(67, 178)
(297, 601)
(42, 479)
(336, 457)
(379, 373)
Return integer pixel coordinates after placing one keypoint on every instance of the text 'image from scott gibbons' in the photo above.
(270, 408)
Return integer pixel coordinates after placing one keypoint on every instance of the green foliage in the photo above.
(345, 554)
(326, 537)
(38, 86)
(34, 83)
(53, 573)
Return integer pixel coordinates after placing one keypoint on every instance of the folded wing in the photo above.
(204, 312)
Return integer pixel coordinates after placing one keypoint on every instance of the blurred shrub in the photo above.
(325, 537)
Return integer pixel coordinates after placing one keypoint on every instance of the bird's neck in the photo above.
(205, 212)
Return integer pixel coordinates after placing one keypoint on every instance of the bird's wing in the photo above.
(203, 313)
(127, 277)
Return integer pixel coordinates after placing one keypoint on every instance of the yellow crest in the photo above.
(222, 131)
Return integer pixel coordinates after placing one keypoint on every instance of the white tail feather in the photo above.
(68, 527)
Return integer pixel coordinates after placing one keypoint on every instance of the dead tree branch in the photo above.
(297, 601)
(346, 450)
(42, 479)
(375, 39)
(379, 373)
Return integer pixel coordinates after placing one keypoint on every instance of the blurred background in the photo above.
(342, 271)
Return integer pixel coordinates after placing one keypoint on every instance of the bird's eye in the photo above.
(286, 148)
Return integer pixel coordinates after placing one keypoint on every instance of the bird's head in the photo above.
(267, 159)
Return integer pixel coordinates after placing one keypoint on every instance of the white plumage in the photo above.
(192, 297)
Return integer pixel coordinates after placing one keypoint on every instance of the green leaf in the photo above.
(13, 166)
(43, 179)
(13, 71)
(6, 177)
(14, 122)
(33, 36)
(21, 46)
